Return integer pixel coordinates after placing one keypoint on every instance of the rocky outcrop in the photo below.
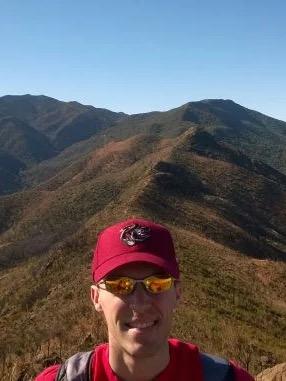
(277, 373)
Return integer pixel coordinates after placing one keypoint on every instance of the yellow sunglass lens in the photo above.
(119, 286)
(157, 285)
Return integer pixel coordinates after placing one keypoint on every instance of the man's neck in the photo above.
(137, 368)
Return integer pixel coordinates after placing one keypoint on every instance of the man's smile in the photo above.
(141, 324)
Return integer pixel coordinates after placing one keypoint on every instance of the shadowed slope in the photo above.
(214, 190)
(62, 123)
(258, 136)
(10, 168)
(24, 142)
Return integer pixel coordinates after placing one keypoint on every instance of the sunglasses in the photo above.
(125, 285)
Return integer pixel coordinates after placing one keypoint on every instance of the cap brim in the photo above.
(123, 259)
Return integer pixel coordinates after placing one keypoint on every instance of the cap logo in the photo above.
(134, 234)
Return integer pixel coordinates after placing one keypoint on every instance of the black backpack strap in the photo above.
(216, 368)
(76, 368)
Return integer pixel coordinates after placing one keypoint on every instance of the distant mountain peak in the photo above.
(217, 100)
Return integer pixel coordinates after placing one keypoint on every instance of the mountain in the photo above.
(64, 123)
(212, 171)
(75, 130)
(36, 128)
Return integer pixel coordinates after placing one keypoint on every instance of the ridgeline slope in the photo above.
(213, 171)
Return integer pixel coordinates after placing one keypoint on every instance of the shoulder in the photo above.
(49, 374)
(240, 374)
(182, 346)
(217, 368)
(78, 365)
(214, 368)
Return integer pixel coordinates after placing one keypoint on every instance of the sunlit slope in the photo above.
(232, 305)
(34, 220)
(192, 179)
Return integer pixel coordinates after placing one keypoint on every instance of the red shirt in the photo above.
(184, 365)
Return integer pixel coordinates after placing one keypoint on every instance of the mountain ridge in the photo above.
(216, 179)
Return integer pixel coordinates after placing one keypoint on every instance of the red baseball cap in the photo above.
(134, 240)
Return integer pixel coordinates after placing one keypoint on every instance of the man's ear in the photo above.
(94, 294)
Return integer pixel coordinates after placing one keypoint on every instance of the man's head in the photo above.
(136, 285)
(134, 240)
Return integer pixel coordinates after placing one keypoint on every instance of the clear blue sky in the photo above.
(142, 55)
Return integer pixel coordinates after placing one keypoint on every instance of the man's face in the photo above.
(139, 323)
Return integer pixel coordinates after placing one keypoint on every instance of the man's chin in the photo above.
(140, 350)
(143, 346)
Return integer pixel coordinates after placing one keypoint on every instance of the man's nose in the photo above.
(140, 298)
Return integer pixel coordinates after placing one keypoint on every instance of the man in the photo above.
(136, 289)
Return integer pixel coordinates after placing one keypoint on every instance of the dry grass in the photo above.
(232, 304)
